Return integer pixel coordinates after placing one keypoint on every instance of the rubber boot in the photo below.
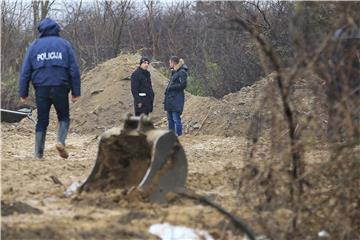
(39, 144)
(61, 137)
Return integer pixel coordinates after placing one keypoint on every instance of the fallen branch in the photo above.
(203, 121)
(234, 219)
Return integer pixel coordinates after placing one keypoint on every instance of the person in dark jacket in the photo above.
(141, 88)
(175, 95)
(51, 66)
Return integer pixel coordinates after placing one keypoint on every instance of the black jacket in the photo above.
(174, 93)
(142, 91)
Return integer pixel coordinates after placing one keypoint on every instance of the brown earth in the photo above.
(106, 95)
(216, 165)
(106, 98)
(216, 144)
(108, 216)
(256, 106)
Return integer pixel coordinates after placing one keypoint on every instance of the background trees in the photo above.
(229, 45)
(222, 59)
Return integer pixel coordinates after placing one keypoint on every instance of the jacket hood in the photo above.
(48, 27)
(180, 65)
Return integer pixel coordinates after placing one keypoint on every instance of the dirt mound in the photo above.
(106, 95)
(254, 108)
(229, 116)
(106, 98)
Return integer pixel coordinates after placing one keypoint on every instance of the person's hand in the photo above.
(140, 105)
(24, 100)
(74, 99)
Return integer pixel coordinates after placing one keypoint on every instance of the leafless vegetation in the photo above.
(229, 45)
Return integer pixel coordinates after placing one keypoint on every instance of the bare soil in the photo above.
(213, 169)
(218, 138)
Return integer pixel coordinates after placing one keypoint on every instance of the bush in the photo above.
(9, 92)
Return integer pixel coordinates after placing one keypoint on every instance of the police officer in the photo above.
(141, 88)
(51, 66)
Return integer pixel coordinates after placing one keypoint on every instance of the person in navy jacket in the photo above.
(175, 94)
(50, 65)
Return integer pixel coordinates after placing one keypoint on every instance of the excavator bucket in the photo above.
(138, 155)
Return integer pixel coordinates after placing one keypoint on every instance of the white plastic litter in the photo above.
(323, 234)
(170, 232)
(72, 188)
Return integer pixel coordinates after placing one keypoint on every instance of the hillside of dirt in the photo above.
(254, 108)
(106, 98)
(106, 95)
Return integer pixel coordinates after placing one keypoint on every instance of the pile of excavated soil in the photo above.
(106, 98)
(254, 108)
(229, 116)
(106, 95)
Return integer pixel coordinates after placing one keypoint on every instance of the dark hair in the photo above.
(175, 59)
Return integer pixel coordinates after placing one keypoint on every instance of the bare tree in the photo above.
(118, 12)
(15, 37)
(40, 11)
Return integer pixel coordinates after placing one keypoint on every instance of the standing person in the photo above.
(141, 88)
(174, 94)
(51, 66)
